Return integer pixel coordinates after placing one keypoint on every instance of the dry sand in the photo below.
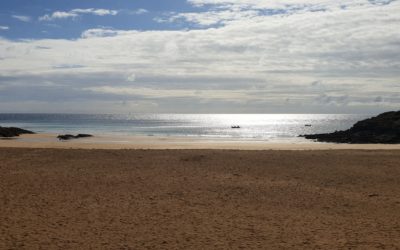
(199, 199)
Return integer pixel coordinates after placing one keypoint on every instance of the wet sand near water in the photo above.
(170, 142)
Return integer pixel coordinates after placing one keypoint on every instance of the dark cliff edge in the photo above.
(12, 132)
(384, 128)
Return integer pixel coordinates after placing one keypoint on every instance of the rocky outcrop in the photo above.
(69, 137)
(11, 132)
(384, 128)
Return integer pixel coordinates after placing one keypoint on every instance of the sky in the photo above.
(199, 56)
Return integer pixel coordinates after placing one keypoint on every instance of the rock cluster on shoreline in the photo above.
(69, 137)
(12, 132)
(384, 128)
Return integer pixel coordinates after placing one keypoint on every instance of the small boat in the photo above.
(235, 126)
(308, 125)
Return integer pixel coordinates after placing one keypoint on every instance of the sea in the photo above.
(257, 127)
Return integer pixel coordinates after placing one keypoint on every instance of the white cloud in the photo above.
(279, 4)
(140, 11)
(4, 28)
(212, 17)
(97, 12)
(172, 93)
(99, 33)
(22, 18)
(253, 62)
(57, 15)
(77, 12)
(224, 11)
(131, 77)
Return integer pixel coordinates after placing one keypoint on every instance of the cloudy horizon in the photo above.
(200, 56)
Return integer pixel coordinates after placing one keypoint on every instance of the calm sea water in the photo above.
(270, 127)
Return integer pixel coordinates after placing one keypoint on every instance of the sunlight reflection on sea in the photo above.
(271, 127)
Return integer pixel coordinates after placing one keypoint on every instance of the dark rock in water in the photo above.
(83, 135)
(11, 132)
(69, 137)
(384, 128)
(66, 137)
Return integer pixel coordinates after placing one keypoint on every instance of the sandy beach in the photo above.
(170, 142)
(199, 199)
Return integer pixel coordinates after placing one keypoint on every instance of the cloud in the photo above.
(42, 47)
(22, 18)
(68, 66)
(97, 12)
(170, 93)
(58, 15)
(140, 11)
(381, 2)
(211, 17)
(131, 77)
(336, 60)
(378, 99)
(99, 33)
(77, 12)
(4, 28)
(225, 11)
(281, 4)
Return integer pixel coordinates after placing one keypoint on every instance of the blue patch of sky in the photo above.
(381, 2)
(69, 28)
(72, 28)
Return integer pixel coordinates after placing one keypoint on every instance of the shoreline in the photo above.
(157, 142)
